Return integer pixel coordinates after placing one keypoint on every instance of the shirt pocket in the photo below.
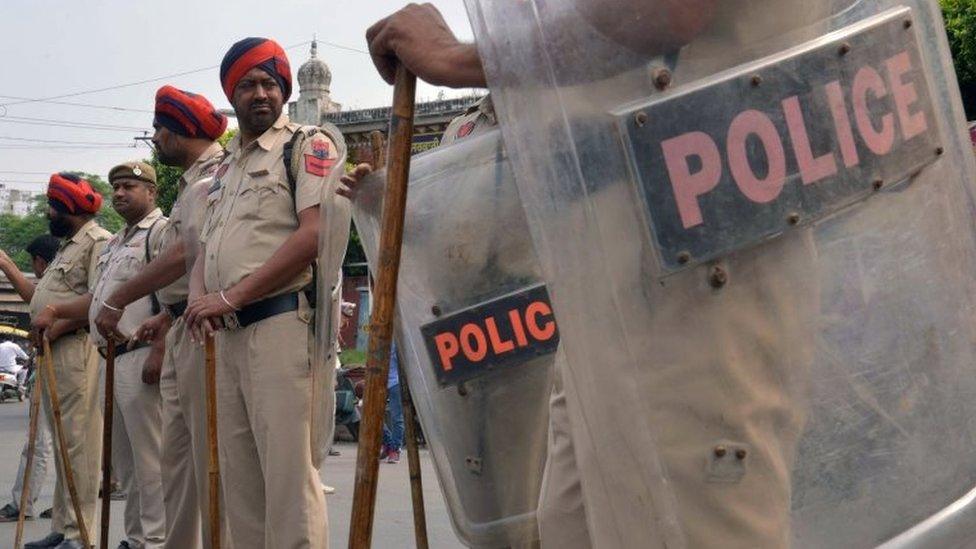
(130, 260)
(67, 277)
(265, 196)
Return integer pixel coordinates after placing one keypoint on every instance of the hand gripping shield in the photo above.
(475, 332)
(755, 221)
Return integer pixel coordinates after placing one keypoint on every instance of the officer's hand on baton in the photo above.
(418, 37)
(350, 182)
(204, 314)
(107, 322)
(43, 321)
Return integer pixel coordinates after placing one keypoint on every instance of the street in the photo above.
(393, 527)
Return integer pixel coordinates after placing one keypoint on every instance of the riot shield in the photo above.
(475, 334)
(335, 219)
(755, 221)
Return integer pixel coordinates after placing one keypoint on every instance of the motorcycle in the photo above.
(10, 387)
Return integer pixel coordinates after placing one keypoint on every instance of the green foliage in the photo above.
(960, 23)
(352, 357)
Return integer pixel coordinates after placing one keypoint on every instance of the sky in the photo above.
(70, 48)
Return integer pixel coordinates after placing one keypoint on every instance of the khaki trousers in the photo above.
(272, 490)
(185, 450)
(561, 515)
(136, 440)
(76, 381)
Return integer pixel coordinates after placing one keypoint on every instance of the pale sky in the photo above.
(55, 48)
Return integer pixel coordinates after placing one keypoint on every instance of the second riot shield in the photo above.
(334, 223)
(755, 219)
(475, 332)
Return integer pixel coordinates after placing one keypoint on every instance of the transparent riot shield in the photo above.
(334, 224)
(755, 219)
(475, 333)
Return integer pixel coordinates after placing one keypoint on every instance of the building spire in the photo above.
(315, 47)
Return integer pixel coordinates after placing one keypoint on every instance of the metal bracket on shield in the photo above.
(726, 463)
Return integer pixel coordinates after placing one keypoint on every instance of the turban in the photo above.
(71, 194)
(188, 114)
(249, 53)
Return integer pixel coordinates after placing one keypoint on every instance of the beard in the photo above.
(258, 122)
(168, 159)
(59, 226)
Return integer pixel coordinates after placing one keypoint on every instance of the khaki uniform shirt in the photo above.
(121, 259)
(186, 217)
(478, 119)
(71, 272)
(250, 207)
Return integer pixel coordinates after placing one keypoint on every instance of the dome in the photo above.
(314, 75)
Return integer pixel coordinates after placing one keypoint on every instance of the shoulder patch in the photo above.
(319, 166)
(465, 129)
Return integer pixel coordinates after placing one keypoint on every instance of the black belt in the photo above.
(176, 310)
(266, 308)
(123, 348)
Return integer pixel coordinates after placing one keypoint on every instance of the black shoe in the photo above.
(9, 513)
(71, 544)
(52, 540)
(47, 513)
(124, 544)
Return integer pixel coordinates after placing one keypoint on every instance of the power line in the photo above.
(158, 78)
(74, 104)
(24, 173)
(31, 121)
(19, 146)
(61, 141)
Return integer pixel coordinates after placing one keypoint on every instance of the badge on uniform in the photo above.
(320, 149)
(220, 173)
(319, 167)
(136, 171)
(465, 130)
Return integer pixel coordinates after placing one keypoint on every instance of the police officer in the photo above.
(259, 241)
(73, 204)
(137, 424)
(187, 126)
(702, 409)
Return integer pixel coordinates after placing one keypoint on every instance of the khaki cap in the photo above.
(135, 169)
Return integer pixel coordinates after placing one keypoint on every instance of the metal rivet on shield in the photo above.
(435, 310)
(684, 257)
(720, 451)
(756, 80)
(939, 151)
(877, 184)
(908, 23)
(462, 389)
(845, 48)
(740, 454)
(661, 77)
(640, 119)
(793, 218)
(718, 277)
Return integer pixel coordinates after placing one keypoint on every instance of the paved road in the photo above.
(393, 527)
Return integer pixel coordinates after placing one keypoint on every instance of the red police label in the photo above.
(503, 332)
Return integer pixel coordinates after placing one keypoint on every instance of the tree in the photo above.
(960, 23)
